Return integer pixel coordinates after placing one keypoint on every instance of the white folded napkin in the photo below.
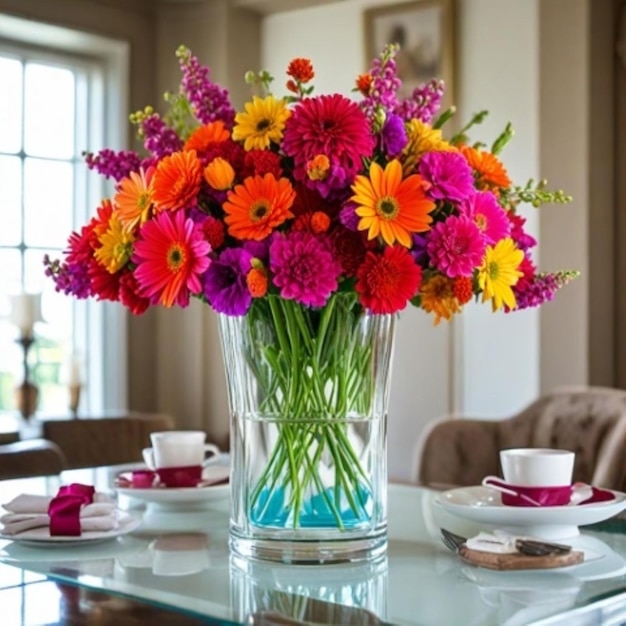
(28, 511)
(28, 503)
(497, 542)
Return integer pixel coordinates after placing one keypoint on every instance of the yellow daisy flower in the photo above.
(499, 272)
(116, 248)
(423, 138)
(262, 123)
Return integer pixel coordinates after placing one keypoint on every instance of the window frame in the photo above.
(105, 62)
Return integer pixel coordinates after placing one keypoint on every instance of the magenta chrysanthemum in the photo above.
(483, 209)
(456, 247)
(303, 268)
(449, 175)
(332, 126)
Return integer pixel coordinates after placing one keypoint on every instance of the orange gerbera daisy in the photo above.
(177, 181)
(390, 206)
(134, 198)
(203, 137)
(259, 205)
(488, 169)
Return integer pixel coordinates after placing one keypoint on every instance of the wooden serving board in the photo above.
(518, 561)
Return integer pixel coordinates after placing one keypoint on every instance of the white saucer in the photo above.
(40, 537)
(484, 505)
(167, 496)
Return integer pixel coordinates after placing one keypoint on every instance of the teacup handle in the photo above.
(215, 452)
(495, 482)
(148, 458)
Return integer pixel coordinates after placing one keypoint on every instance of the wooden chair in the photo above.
(590, 421)
(34, 457)
(91, 442)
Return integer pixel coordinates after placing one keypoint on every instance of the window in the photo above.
(53, 106)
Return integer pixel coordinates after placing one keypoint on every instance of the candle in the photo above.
(75, 377)
(25, 311)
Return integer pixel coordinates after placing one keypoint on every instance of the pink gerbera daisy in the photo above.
(171, 254)
(332, 126)
(456, 246)
(483, 209)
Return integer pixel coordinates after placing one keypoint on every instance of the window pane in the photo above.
(48, 111)
(10, 105)
(48, 191)
(10, 355)
(10, 199)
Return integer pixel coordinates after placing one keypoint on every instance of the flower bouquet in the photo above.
(307, 222)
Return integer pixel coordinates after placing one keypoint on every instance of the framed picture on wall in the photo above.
(424, 30)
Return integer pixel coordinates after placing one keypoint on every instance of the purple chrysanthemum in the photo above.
(418, 250)
(485, 211)
(394, 137)
(456, 246)
(303, 268)
(449, 176)
(225, 282)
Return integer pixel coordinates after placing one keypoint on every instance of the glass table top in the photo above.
(178, 559)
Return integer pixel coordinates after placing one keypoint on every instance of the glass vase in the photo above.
(308, 393)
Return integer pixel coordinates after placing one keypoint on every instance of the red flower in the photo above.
(462, 289)
(214, 231)
(387, 281)
(349, 248)
(105, 286)
(364, 83)
(301, 70)
(261, 162)
(129, 294)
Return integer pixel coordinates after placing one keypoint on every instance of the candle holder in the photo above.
(26, 394)
(74, 390)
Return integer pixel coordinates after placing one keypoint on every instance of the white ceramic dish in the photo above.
(40, 537)
(481, 504)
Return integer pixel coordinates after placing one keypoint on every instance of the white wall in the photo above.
(485, 364)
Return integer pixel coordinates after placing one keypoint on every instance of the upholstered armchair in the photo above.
(590, 421)
(34, 457)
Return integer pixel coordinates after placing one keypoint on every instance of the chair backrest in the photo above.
(590, 421)
(34, 457)
(105, 441)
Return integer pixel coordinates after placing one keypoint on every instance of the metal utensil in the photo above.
(529, 547)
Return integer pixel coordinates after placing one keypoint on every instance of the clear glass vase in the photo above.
(308, 394)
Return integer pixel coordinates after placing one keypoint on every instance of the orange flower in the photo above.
(318, 167)
(320, 222)
(219, 173)
(391, 206)
(438, 298)
(259, 205)
(176, 181)
(257, 282)
(100, 223)
(203, 137)
(301, 70)
(364, 83)
(134, 199)
(487, 167)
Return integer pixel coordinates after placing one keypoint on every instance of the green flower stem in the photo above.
(313, 370)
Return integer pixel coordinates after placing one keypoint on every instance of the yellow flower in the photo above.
(499, 272)
(438, 297)
(423, 138)
(391, 206)
(116, 248)
(262, 123)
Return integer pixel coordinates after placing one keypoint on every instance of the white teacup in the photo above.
(537, 467)
(179, 448)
